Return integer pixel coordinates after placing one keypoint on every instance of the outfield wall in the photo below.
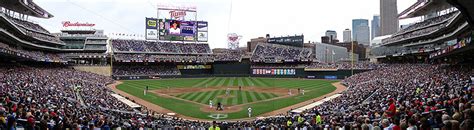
(300, 73)
(244, 69)
(237, 68)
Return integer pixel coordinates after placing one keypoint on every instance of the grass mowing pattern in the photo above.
(313, 89)
(233, 99)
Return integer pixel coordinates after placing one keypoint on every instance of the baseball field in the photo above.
(191, 97)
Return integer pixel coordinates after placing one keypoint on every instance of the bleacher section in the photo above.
(140, 46)
(31, 29)
(31, 55)
(145, 70)
(273, 53)
(425, 27)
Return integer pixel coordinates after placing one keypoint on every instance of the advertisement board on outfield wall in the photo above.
(194, 67)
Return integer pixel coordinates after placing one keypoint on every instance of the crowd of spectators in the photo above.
(428, 22)
(401, 96)
(278, 53)
(229, 55)
(33, 55)
(425, 27)
(159, 47)
(396, 96)
(60, 98)
(33, 29)
(391, 97)
(139, 70)
(416, 33)
(27, 24)
(343, 65)
(163, 58)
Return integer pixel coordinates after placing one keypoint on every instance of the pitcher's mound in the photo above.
(225, 96)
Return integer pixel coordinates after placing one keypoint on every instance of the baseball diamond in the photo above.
(191, 96)
(235, 64)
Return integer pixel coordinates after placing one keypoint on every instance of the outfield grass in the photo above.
(313, 89)
(233, 98)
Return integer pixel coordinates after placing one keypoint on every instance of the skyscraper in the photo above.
(388, 17)
(331, 34)
(375, 27)
(360, 31)
(346, 35)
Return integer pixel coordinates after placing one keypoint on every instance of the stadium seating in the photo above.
(33, 30)
(150, 70)
(425, 27)
(280, 53)
(163, 58)
(60, 98)
(228, 55)
(343, 65)
(428, 96)
(159, 47)
(47, 95)
(33, 55)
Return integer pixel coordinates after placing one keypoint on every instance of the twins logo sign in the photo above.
(233, 40)
(178, 14)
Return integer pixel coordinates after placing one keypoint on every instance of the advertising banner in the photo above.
(151, 28)
(202, 26)
(177, 14)
(288, 40)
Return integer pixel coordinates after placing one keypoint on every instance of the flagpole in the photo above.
(332, 56)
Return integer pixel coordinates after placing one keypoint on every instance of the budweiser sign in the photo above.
(77, 24)
(177, 14)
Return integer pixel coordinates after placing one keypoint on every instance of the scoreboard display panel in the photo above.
(177, 30)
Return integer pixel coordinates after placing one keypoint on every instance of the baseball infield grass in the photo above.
(190, 103)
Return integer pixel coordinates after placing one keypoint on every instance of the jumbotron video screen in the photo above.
(179, 30)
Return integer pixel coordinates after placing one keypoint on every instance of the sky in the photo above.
(248, 18)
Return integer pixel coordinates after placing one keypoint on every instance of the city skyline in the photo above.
(375, 27)
(361, 31)
(388, 17)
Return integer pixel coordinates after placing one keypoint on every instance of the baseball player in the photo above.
(249, 111)
(210, 103)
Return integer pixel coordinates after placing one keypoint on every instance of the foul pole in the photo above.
(352, 58)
